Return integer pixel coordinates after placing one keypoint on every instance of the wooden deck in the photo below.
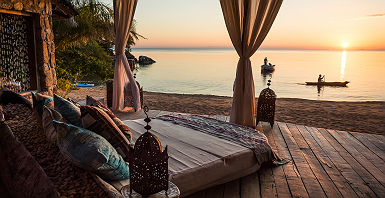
(324, 163)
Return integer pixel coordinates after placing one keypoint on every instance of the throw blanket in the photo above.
(241, 135)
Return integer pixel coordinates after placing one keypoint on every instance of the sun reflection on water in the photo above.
(343, 65)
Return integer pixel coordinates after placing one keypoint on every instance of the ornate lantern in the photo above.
(148, 164)
(266, 105)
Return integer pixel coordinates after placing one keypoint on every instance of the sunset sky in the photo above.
(300, 24)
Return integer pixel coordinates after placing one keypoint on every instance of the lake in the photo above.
(212, 71)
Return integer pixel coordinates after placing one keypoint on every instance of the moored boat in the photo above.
(267, 66)
(339, 84)
(84, 85)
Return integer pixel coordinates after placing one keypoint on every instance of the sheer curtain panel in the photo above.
(124, 13)
(248, 22)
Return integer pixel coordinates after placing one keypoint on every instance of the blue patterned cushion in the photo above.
(90, 151)
(68, 110)
(39, 100)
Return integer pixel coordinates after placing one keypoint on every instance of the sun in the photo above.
(345, 44)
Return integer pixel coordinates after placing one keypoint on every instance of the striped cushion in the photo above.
(50, 115)
(98, 121)
(90, 151)
(39, 100)
(124, 128)
(68, 110)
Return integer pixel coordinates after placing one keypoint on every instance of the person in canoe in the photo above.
(321, 78)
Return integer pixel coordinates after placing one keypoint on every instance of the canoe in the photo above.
(84, 85)
(339, 84)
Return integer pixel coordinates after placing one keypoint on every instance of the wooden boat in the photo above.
(337, 84)
(267, 67)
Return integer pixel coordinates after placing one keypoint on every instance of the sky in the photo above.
(300, 24)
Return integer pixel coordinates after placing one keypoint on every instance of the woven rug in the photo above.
(241, 135)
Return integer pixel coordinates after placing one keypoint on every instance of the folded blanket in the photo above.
(241, 135)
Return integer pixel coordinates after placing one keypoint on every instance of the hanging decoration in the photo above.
(14, 61)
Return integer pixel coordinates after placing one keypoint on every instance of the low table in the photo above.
(172, 192)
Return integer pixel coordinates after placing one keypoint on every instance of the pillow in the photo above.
(7, 96)
(96, 120)
(21, 174)
(124, 128)
(68, 110)
(50, 115)
(90, 151)
(39, 100)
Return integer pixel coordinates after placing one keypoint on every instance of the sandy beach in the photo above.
(365, 117)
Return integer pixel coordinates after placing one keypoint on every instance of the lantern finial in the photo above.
(147, 119)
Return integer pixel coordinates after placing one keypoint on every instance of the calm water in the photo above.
(212, 71)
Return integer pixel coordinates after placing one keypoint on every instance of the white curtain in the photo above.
(248, 22)
(124, 13)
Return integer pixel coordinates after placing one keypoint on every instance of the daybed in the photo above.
(197, 160)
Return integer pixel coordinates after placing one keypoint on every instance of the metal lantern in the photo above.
(266, 105)
(148, 164)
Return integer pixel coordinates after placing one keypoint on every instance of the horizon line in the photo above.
(262, 48)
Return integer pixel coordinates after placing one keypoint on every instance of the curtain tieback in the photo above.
(244, 57)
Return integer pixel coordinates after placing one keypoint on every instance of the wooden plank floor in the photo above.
(323, 163)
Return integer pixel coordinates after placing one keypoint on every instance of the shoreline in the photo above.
(365, 117)
(283, 98)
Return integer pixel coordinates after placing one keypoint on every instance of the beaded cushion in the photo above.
(124, 128)
(10, 97)
(90, 151)
(98, 121)
(68, 110)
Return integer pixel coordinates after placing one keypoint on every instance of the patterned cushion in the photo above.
(90, 151)
(39, 100)
(96, 120)
(124, 128)
(68, 110)
(50, 115)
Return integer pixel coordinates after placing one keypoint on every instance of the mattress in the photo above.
(197, 160)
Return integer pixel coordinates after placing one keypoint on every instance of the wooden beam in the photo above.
(14, 12)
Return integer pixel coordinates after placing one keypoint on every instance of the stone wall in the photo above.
(45, 47)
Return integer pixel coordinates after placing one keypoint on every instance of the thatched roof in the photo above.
(63, 9)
